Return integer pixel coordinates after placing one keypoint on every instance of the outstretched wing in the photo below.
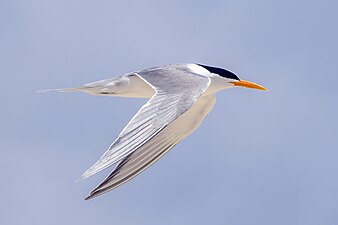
(157, 146)
(176, 90)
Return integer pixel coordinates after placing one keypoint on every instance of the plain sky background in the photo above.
(260, 158)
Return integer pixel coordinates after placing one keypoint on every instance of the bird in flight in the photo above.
(180, 96)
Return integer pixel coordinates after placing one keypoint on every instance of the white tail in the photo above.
(60, 90)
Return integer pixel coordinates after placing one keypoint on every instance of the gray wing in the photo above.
(176, 90)
(157, 146)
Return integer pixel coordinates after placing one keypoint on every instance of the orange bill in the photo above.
(248, 84)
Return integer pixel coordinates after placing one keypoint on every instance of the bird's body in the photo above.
(181, 95)
(133, 86)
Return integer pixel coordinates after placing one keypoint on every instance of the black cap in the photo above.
(221, 72)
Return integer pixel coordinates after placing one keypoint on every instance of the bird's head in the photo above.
(232, 79)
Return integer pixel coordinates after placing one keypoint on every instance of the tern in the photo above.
(180, 97)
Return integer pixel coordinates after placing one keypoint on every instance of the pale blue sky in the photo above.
(260, 158)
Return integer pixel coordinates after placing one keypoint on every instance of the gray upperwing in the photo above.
(176, 91)
(155, 148)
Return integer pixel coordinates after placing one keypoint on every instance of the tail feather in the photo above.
(61, 90)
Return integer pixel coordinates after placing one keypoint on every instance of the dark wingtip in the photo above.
(95, 193)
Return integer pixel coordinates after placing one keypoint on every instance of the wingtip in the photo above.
(92, 194)
(88, 197)
(84, 176)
